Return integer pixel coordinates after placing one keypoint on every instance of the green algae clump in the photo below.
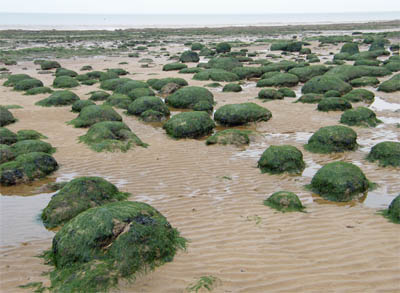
(99, 96)
(30, 146)
(6, 117)
(324, 83)
(230, 136)
(27, 84)
(239, 114)
(39, 90)
(387, 153)
(93, 114)
(393, 212)
(333, 104)
(270, 94)
(232, 87)
(7, 136)
(189, 56)
(77, 196)
(359, 95)
(189, 125)
(284, 201)
(6, 153)
(359, 116)
(187, 97)
(48, 64)
(65, 82)
(174, 66)
(279, 80)
(15, 78)
(280, 159)
(310, 99)
(26, 134)
(223, 47)
(390, 85)
(59, 98)
(80, 104)
(143, 104)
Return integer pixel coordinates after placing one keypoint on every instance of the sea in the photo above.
(34, 21)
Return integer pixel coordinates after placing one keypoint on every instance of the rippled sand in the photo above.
(214, 194)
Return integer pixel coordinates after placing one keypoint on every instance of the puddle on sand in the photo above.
(381, 105)
(377, 137)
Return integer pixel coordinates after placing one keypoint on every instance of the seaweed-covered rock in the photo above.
(286, 92)
(333, 104)
(349, 72)
(152, 116)
(223, 47)
(174, 66)
(197, 46)
(30, 146)
(6, 153)
(387, 153)
(364, 81)
(280, 79)
(390, 85)
(232, 87)
(169, 88)
(65, 72)
(48, 64)
(310, 98)
(216, 75)
(77, 196)
(160, 83)
(307, 72)
(284, 201)
(339, 181)
(393, 212)
(38, 90)
(140, 92)
(27, 167)
(80, 104)
(247, 72)
(6, 117)
(126, 87)
(110, 136)
(203, 106)
(187, 97)
(351, 48)
(230, 136)
(26, 134)
(7, 136)
(59, 98)
(332, 139)
(359, 116)
(118, 71)
(99, 96)
(359, 95)
(367, 62)
(143, 104)
(93, 114)
(27, 84)
(118, 100)
(270, 94)
(281, 158)
(190, 70)
(15, 78)
(116, 240)
(189, 56)
(324, 83)
(239, 114)
(112, 84)
(189, 124)
(225, 63)
(332, 94)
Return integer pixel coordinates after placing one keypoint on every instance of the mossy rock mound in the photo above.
(284, 201)
(143, 104)
(223, 47)
(189, 56)
(152, 116)
(26, 134)
(333, 104)
(6, 153)
(118, 71)
(6, 117)
(140, 92)
(332, 94)
(112, 84)
(351, 48)
(77, 196)
(331, 139)
(126, 87)
(216, 75)
(224, 63)
(270, 94)
(94, 114)
(27, 84)
(360, 116)
(32, 145)
(65, 72)
(247, 72)
(393, 212)
(79, 105)
(48, 64)
(59, 98)
(286, 92)
(110, 136)
(364, 81)
(349, 72)
(13, 79)
(26, 168)
(310, 98)
(7, 136)
(187, 97)
(189, 125)
(339, 181)
(117, 240)
(160, 83)
(118, 100)
(174, 66)
(99, 96)
(359, 95)
(239, 114)
(324, 83)
(307, 72)
(203, 106)
(197, 46)
(391, 85)
(39, 90)
(232, 87)
(387, 153)
(190, 70)
(230, 136)
(367, 62)
(280, 159)
(279, 80)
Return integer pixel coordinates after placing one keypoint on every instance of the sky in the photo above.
(197, 7)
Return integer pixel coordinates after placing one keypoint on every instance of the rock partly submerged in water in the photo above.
(189, 125)
(187, 97)
(281, 158)
(360, 116)
(333, 104)
(94, 114)
(284, 201)
(387, 153)
(239, 114)
(230, 136)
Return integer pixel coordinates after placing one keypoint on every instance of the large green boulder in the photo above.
(225, 63)
(187, 97)
(65, 82)
(332, 139)
(307, 72)
(310, 98)
(333, 104)
(279, 80)
(223, 47)
(121, 101)
(117, 240)
(393, 212)
(160, 83)
(230, 136)
(247, 72)
(364, 81)
(232, 88)
(38, 90)
(143, 104)
(281, 158)
(189, 56)
(27, 84)
(270, 94)
(126, 87)
(93, 114)
(6, 153)
(391, 85)
(48, 64)
(286, 92)
(99, 96)
(349, 72)
(351, 48)
(216, 75)
(339, 181)
(324, 83)
(359, 95)
(197, 46)
(7, 136)
(112, 84)
(360, 116)
(65, 72)
(6, 117)
(239, 114)
(30, 146)
(80, 104)
(387, 153)
(26, 134)
(77, 196)
(284, 201)
(13, 79)
(59, 98)
(189, 125)
(140, 92)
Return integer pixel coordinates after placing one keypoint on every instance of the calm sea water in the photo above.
(103, 21)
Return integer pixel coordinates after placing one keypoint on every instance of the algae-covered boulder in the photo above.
(247, 72)
(174, 66)
(333, 104)
(112, 84)
(13, 79)
(216, 75)
(187, 97)
(38, 90)
(359, 95)
(140, 92)
(324, 83)
(189, 56)
(284, 201)
(339, 181)
(387, 153)
(189, 125)
(143, 104)
(239, 114)
(93, 114)
(332, 94)
(65, 72)
(126, 87)
(190, 70)
(349, 72)
(286, 92)
(197, 46)
(390, 85)
(27, 167)
(351, 48)
(6, 117)
(270, 94)
(30, 146)
(364, 81)
(59, 98)
(223, 47)
(281, 158)
(99, 96)
(332, 139)
(307, 72)
(160, 83)
(26, 134)
(121, 101)
(152, 116)
(229, 136)
(310, 98)
(117, 240)
(77, 196)
(225, 63)
(48, 64)
(80, 104)
(6, 153)
(279, 79)
(110, 136)
(232, 87)
(393, 212)
(359, 116)
(65, 82)
(27, 84)
(7, 136)
(169, 89)
(203, 106)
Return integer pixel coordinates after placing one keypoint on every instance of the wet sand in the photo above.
(213, 195)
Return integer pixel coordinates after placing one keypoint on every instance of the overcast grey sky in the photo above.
(198, 6)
